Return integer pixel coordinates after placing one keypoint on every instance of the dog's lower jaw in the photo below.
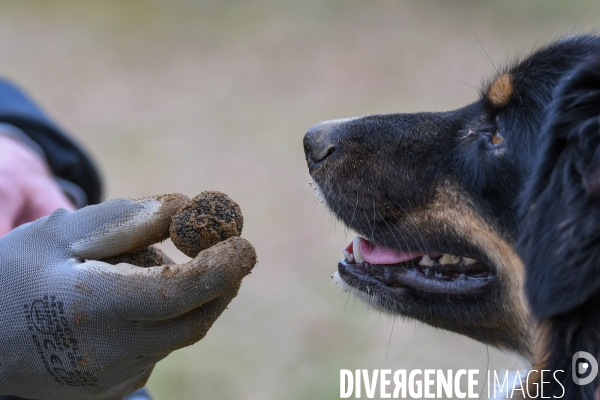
(508, 331)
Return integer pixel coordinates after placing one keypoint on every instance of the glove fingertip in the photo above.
(169, 204)
(236, 254)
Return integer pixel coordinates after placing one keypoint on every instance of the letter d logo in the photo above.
(581, 368)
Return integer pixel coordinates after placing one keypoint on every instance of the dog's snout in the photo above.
(319, 143)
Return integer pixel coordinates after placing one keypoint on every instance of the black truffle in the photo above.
(205, 220)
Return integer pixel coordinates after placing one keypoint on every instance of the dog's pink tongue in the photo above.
(376, 254)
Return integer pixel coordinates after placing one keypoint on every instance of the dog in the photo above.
(483, 220)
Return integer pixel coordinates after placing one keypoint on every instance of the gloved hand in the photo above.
(74, 328)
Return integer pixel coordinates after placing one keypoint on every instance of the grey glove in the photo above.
(74, 328)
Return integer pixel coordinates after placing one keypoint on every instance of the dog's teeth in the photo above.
(449, 259)
(349, 256)
(427, 271)
(439, 274)
(462, 277)
(426, 261)
(469, 261)
(356, 250)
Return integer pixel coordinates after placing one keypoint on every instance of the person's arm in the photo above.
(68, 162)
(28, 190)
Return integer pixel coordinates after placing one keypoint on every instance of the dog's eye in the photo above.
(497, 138)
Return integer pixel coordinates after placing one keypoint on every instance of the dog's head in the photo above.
(435, 198)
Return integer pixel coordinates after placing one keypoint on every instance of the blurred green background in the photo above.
(185, 96)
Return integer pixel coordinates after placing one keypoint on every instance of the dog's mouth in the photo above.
(368, 266)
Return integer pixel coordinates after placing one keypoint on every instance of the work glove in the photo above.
(75, 328)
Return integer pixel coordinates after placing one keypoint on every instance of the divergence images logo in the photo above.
(582, 367)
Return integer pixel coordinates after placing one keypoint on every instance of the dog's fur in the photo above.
(512, 180)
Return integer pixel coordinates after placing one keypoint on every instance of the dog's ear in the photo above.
(559, 242)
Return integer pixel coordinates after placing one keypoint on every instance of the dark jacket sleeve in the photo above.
(66, 159)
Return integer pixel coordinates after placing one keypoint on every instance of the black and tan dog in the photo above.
(459, 211)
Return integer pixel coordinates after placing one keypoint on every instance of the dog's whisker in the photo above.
(371, 227)
(354, 212)
(331, 218)
(396, 239)
(421, 244)
(389, 341)
(425, 249)
(487, 57)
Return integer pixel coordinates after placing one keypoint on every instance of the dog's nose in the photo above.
(319, 143)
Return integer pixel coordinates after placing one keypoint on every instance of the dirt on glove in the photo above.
(199, 223)
(204, 221)
(145, 257)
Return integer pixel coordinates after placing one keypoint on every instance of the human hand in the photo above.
(75, 328)
(27, 189)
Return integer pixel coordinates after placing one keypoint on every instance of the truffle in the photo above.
(145, 257)
(205, 220)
